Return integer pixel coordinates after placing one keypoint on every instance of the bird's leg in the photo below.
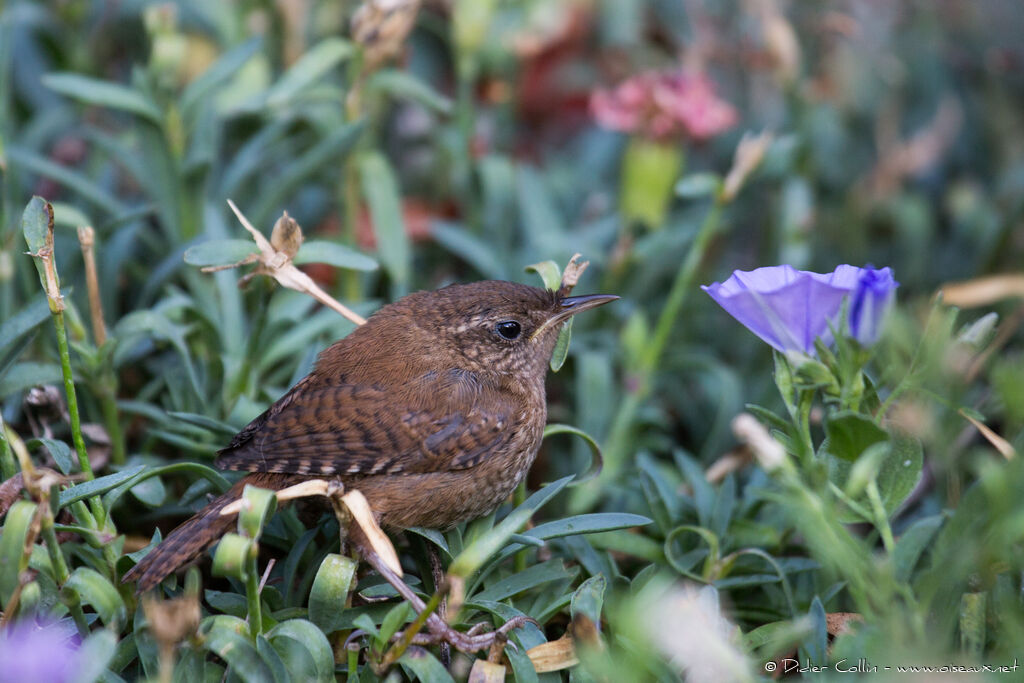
(440, 587)
(439, 630)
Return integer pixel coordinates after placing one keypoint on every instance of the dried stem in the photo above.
(87, 239)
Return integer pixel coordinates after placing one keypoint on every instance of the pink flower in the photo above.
(664, 105)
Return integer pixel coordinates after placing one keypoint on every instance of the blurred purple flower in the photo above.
(664, 105)
(790, 308)
(30, 653)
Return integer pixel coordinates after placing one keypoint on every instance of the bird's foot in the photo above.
(475, 639)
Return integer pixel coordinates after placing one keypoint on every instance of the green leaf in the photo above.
(59, 451)
(91, 191)
(898, 473)
(586, 524)
(561, 350)
(549, 273)
(424, 666)
(19, 325)
(697, 185)
(911, 545)
(274, 658)
(327, 151)
(312, 66)
(589, 598)
(208, 473)
(26, 375)
(225, 637)
(470, 248)
(258, 505)
(220, 252)
(531, 577)
(381, 191)
(404, 85)
(311, 640)
(97, 486)
(232, 556)
(206, 422)
(103, 94)
(13, 558)
(478, 552)
(330, 589)
(393, 620)
(596, 462)
(226, 66)
(95, 589)
(37, 227)
(334, 254)
(816, 644)
(850, 434)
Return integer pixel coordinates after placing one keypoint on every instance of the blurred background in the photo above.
(424, 143)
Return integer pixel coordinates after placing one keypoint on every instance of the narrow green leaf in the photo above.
(28, 160)
(850, 434)
(13, 558)
(220, 252)
(549, 272)
(232, 556)
(697, 185)
(95, 589)
(312, 640)
(586, 524)
(561, 350)
(334, 254)
(473, 556)
(393, 621)
(205, 421)
(531, 577)
(404, 85)
(21, 323)
(22, 376)
(97, 486)
(334, 580)
(103, 94)
(258, 505)
(312, 66)
(222, 637)
(226, 66)
(424, 666)
(472, 249)
(381, 191)
(59, 451)
(588, 599)
(596, 462)
(911, 545)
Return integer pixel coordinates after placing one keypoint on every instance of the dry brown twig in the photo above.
(275, 260)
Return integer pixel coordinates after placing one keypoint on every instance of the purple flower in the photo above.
(30, 653)
(790, 308)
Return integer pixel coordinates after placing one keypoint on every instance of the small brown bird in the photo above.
(434, 410)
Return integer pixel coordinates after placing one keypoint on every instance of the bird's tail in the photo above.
(188, 541)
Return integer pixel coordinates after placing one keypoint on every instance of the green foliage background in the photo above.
(899, 140)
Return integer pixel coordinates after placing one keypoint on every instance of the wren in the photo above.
(434, 409)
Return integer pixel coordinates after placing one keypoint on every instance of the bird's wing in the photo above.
(358, 429)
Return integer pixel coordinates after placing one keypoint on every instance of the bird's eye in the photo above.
(509, 329)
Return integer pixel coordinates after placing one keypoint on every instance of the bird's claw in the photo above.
(472, 640)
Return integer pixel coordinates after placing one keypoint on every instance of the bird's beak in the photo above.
(571, 305)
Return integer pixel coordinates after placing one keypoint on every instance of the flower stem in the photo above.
(621, 433)
(72, 398)
(252, 595)
(7, 466)
(60, 569)
(881, 517)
